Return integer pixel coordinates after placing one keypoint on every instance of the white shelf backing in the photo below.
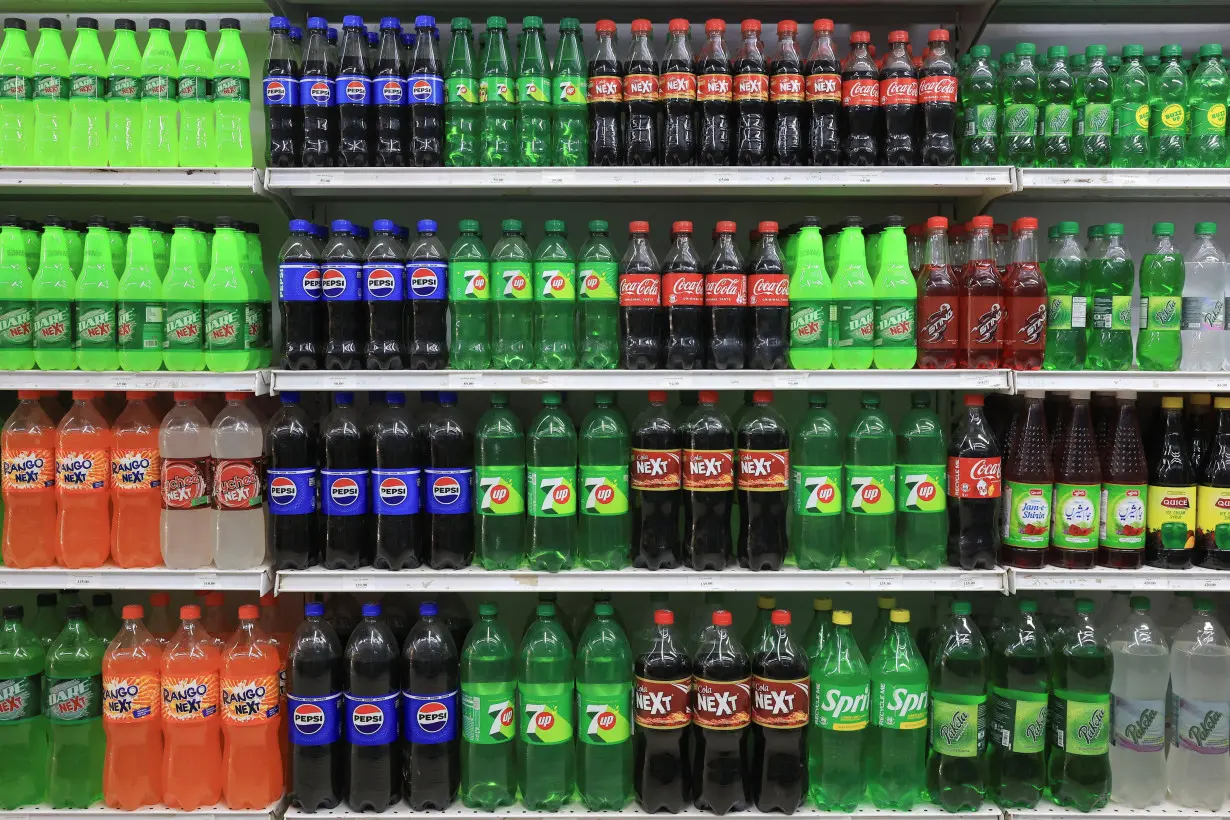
(1101, 578)
(1167, 810)
(259, 580)
(125, 183)
(576, 810)
(1123, 183)
(1141, 381)
(248, 381)
(101, 812)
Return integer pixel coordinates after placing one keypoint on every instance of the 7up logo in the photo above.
(476, 284)
(501, 716)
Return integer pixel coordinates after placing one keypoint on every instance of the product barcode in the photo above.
(1078, 312)
(1005, 739)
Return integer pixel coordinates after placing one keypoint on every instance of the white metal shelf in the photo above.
(247, 381)
(259, 580)
(101, 812)
(1123, 183)
(1163, 811)
(1101, 578)
(126, 183)
(1138, 380)
(576, 810)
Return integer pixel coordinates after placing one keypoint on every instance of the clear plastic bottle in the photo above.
(1138, 693)
(187, 516)
(237, 444)
(1204, 307)
(1196, 764)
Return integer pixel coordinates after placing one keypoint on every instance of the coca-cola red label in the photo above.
(683, 289)
(725, 289)
(708, 470)
(938, 88)
(678, 85)
(641, 88)
(1026, 322)
(640, 290)
(860, 91)
(780, 704)
(937, 322)
(786, 88)
(657, 470)
(899, 91)
(722, 704)
(985, 321)
(660, 704)
(823, 88)
(768, 290)
(974, 477)
(752, 88)
(605, 90)
(714, 88)
(764, 470)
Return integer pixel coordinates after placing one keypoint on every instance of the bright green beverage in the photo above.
(117, 240)
(512, 278)
(252, 310)
(1019, 109)
(461, 127)
(488, 714)
(160, 240)
(232, 98)
(16, 292)
(73, 692)
(551, 481)
(1159, 346)
(922, 487)
(497, 99)
(262, 300)
(820, 630)
(75, 242)
(23, 723)
(16, 94)
(840, 705)
(469, 296)
(87, 140)
(555, 300)
(604, 529)
(227, 295)
(533, 96)
(1110, 283)
(1058, 93)
(1020, 681)
(1096, 98)
(139, 319)
(52, 114)
(159, 108)
(545, 713)
(198, 146)
(34, 242)
(1066, 302)
(604, 713)
(1206, 102)
(499, 469)
(1168, 90)
(1130, 137)
(183, 298)
(1078, 768)
(871, 480)
(896, 301)
(598, 299)
(96, 295)
(897, 739)
(854, 295)
(124, 97)
(816, 487)
(570, 125)
(956, 767)
(811, 302)
(54, 289)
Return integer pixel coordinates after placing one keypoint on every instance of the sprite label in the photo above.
(461, 90)
(1020, 120)
(605, 488)
(503, 490)
(489, 717)
(922, 488)
(182, 326)
(1097, 121)
(553, 491)
(545, 720)
(1162, 312)
(599, 281)
(139, 326)
(855, 323)
(841, 707)
(958, 724)
(817, 490)
(605, 719)
(1027, 518)
(95, 325)
(469, 281)
(16, 327)
(53, 325)
(1080, 722)
(1018, 720)
(899, 707)
(869, 490)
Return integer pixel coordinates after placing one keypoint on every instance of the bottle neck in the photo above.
(1025, 247)
(979, 248)
(936, 255)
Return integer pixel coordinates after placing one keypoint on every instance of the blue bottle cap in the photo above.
(290, 397)
(384, 226)
(276, 23)
(300, 226)
(314, 609)
(372, 38)
(427, 226)
(407, 39)
(389, 22)
(317, 24)
(395, 397)
(296, 33)
(341, 226)
(448, 397)
(352, 21)
(361, 231)
(332, 35)
(424, 21)
(428, 609)
(343, 397)
(371, 610)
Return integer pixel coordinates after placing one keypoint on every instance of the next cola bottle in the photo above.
(488, 714)
(871, 473)
(839, 713)
(604, 713)
(723, 706)
(545, 713)
(551, 479)
(897, 741)
(1020, 683)
(499, 466)
(604, 528)
(817, 485)
(922, 487)
(956, 769)
(780, 700)
(1078, 771)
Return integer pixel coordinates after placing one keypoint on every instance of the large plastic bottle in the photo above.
(604, 713)
(1078, 769)
(598, 299)
(1076, 501)
(23, 731)
(854, 296)
(183, 294)
(227, 294)
(533, 95)
(52, 111)
(54, 289)
(83, 478)
(1057, 92)
(16, 107)
(1067, 302)
(897, 740)
(159, 106)
(489, 714)
(817, 486)
(1162, 281)
(191, 722)
(499, 467)
(512, 339)
(136, 475)
(1206, 104)
(922, 487)
(1111, 280)
(1204, 316)
(1139, 689)
(29, 453)
(604, 525)
(555, 298)
(187, 522)
(839, 714)
(74, 703)
(237, 447)
(1130, 135)
(95, 294)
(132, 715)
(1020, 682)
(871, 480)
(232, 98)
(1019, 87)
(551, 487)
(957, 768)
(546, 714)
(569, 122)
(87, 140)
(1199, 671)
(252, 775)
(139, 318)
(1125, 490)
(461, 121)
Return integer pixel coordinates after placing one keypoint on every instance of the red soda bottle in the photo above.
(982, 305)
(939, 292)
(1025, 291)
(1028, 488)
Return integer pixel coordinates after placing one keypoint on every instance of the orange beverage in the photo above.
(136, 481)
(191, 723)
(132, 715)
(83, 478)
(271, 624)
(214, 620)
(160, 623)
(251, 716)
(29, 484)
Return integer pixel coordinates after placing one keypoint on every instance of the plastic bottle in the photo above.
(554, 293)
(280, 90)
(1077, 499)
(1125, 475)
(489, 714)
(921, 490)
(871, 478)
(1206, 103)
(445, 450)
(854, 297)
(1028, 488)
(87, 140)
(497, 99)
(1168, 98)
(260, 308)
(372, 685)
(139, 308)
(23, 732)
(511, 280)
(191, 666)
(546, 713)
(51, 88)
(598, 277)
(228, 341)
(237, 449)
(811, 303)
(1162, 281)
(95, 294)
(469, 294)
(136, 475)
(1020, 683)
(102, 618)
(781, 687)
(1095, 110)
(499, 466)
(389, 96)
(604, 713)
(159, 107)
(896, 300)
(604, 528)
(123, 96)
(1066, 303)
(426, 274)
(1021, 90)
(16, 108)
(83, 477)
(1212, 533)
(74, 705)
(29, 453)
(1139, 689)
(187, 540)
(1170, 522)
(939, 302)
(461, 117)
(957, 768)
(1078, 769)
(345, 458)
(762, 484)
(897, 740)
(1025, 292)
(569, 121)
(1204, 318)
(983, 315)
(1130, 136)
(183, 299)
(1199, 664)
(1110, 281)
(840, 711)
(429, 668)
(314, 694)
(551, 484)
(53, 290)
(132, 715)
(198, 145)
(817, 486)
(1057, 93)
(663, 718)
(721, 712)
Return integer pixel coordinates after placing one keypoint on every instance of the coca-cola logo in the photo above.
(642, 287)
(986, 328)
(984, 469)
(771, 290)
(640, 290)
(899, 91)
(940, 88)
(684, 289)
(935, 328)
(1034, 326)
(860, 92)
(726, 290)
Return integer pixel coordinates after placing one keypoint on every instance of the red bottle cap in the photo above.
(914, 230)
(132, 612)
(860, 37)
(605, 27)
(29, 394)
(236, 395)
(984, 223)
(823, 25)
(707, 397)
(657, 397)
(767, 227)
(750, 25)
(917, 62)
(973, 400)
(663, 617)
(937, 223)
(937, 35)
(641, 26)
(780, 617)
(682, 226)
(722, 618)
(762, 397)
(191, 612)
(185, 395)
(1000, 229)
(899, 37)
(787, 27)
(679, 26)
(726, 227)
(139, 395)
(249, 612)
(83, 395)
(1025, 223)
(159, 599)
(715, 26)
(214, 599)
(638, 227)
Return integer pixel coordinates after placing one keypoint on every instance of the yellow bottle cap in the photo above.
(766, 602)
(825, 604)
(1172, 402)
(900, 616)
(886, 602)
(1222, 402)
(1201, 398)
(842, 617)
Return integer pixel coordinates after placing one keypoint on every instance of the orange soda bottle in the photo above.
(132, 715)
(83, 478)
(191, 723)
(271, 624)
(251, 716)
(136, 481)
(29, 484)
(214, 620)
(160, 622)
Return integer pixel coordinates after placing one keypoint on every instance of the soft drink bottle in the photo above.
(551, 477)
(640, 302)
(139, 318)
(1020, 683)
(425, 85)
(816, 483)
(183, 299)
(569, 121)
(598, 275)
(353, 90)
(497, 99)
(714, 95)
(344, 486)
(389, 97)
(384, 275)
(896, 300)
(370, 701)
(956, 768)
(499, 466)
(1021, 92)
(51, 89)
(445, 452)
(83, 478)
(1170, 522)
(662, 742)
(1066, 302)
(896, 742)
(1028, 488)
(95, 294)
(937, 97)
(228, 343)
(198, 144)
(939, 302)
(315, 680)
(396, 487)
(1214, 476)
(1203, 333)
(839, 715)
(342, 291)
(132, 716)
(761, 626)
(237, 451)
(811, 302)
(87, 139)
(780, 702)
(469, 295)
(259, 311)
(292, 445)
(979, 89)
(1057, 92)
(161, 625)
(555, 273)
(1025, 292)
(1125, 475)
(604, 707)
(751, 98)
(722, 712)
(860, 103)
(1130, 137)
(787, 114)
(74, 704)
(511, 277)
(1078, 478)
(898, 96)
(1197, 685)
(1169, 87)
(281, 92)
(489, 710)
(47, 622)
(1078, 769)
(316, 96)
(854, 295)
(683, 297)
(1158, 347)
(187, 486)
(870, 459)
(23, 733)
(983, 315)
(159, 106)
(656, 481)
(1139, 691)
(426, 274)
(768, 287)
(823, 97)
(678, 89)
(432, 764)
(16, 109)
(102, 618)
(974, 488)
(605, 96)
(533, 95)
(763, 444)
(136, 476)
(1095, 98)
(726, 286)
(1110, 281)
(604, 529)
(708, 484)
(461, 118)
(546, 709)
(922, 518)
(29, 453)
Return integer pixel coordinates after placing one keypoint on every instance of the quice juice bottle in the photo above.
(1028, 480)
(939, 292)
(29, 452)
(1125, 491)
(1025, 292)
(83, 477)
(192, 760)
(251, 756)
(132, 715)
(1078, 489)
(1213, 496)
(1170, 517)
(136, 477)
(982, 302)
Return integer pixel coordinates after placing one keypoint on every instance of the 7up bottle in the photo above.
(839, 711)
(551, 479)
(488, 715)
(922, 487)
(499, 465)
(469, 296)
(604, 712)
(816, 485)
(511, 275)
(545, 713)
(604, 526)
(897, 741)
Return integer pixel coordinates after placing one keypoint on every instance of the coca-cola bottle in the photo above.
(751, 99)
(683, 297)
(640, 302)
(768, 289)
(657, 477)
(605, 95)
(974, 487)
(823, 96)
(722, 708)
(662, 696)
(763, 444)
(983, 313)
(937, 94)
(725, 302)
(678, 89)
(860, 103)
(780, 687)
(708, 484)
(939, 301)
(640, 142)
(899, 99)
(714, 93)
(786, 99)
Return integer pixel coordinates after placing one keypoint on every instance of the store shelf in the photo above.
(1140, 381)
(1143, 579)
(258, 580)
(248, 381)
(101, 812)
(1166, 810)
(1123, 183)
(127, 183)
(578, 811)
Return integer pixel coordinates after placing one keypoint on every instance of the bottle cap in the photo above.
(18, 23)
(1206, 228)
(750, 25)
(249, 612)
(787, 28)
(767, 227)
(1025, 223)
(937, 223)
(638, 227)
(863, 37)
(395, 397)
(707, 397)
(190, 612)
(1025, 50)
(132, 612)
(1132, 50)
(899, 37)
(1222, 403)
(499, 398)
(468, 226)
(282, 24)
(29, 395)
(1203, 399)
(1027, 605)
(87, 22)
(937, 35)
(822, 26)
(1139, 602)
(389, 23)
(138, 395)
(1084, 606)
(86, 395)
(715, 26)
(722, 618)
(428, 609)
(726, 226)
(598, 226)
(343, 397)
(1113, 229)
(780, 617)
(1172, 402)
(817, 398)
(1163, 229)
(974, 400)
(317, 24)
(426, 21)
(427, 226)
(384, 226)
(447, 396)
(497, 22)
(822, 604)
(1127, 395)
(1095, 52)
(545, 609)
(1069, 228)
(1057, 53)
(511, 226)
(487, 609)
(604, 610)
(531, 21)
(663, 617)
(657, 397)
(604, 399)
(960, 607)
(899, 616)
(762, 397)
(315, 609)
(550, 399)
(984, 223)
(605, 27)
(842, 617)
(641, 26)
(682, 226)
(885, 602)
(555, 226)
(371, 610)
(1172, 51)
(765, 602)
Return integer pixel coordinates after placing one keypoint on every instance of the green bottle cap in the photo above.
(1172, 51)
(1200, 605)
(1140, 603)
(1210, 50)
(468, 226)
(604, 399)
(818, 398)
(569, 24)
(531, 21)
(1114, 61)
(1027, 605)
(1052, 232)
(499, 398)
(1163, 229)
(960, 608)
(1096, 231)
(1206, 228)
(1057, 53)
(488, 609)
(496, 22)
(1069, 228)
(460, 24)
(1114, 229)
(550, 399)
(545, 610)
(1094, 52)
(598, 226)
(1084, 606)
(1079, 60)
(1152, 62)
(1133, 50)
(1025, 50)
(981, 52)
(511, 226)
(604, 610)
(871, 399)
(554, 226)
(1007, 59)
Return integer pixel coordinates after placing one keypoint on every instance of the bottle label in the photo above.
(855, 323)
(371, 721)
(937, 88)
(1172, 514)
(611, 89)
(771, 290)
(958, 724)
(764, 470)
(315, 91)
(869, 489)
(427, 280)
(344, 492)
(16, 321)
(1139, 725)
(899, 91)
(511, 281)
(553, 491)
(1115, 312)
(21, 698)
(841, 707)
(556, 281)
(899, 707)
(82, 470)
(1080, 722)
(817, 490)
(780, 704)
(823, 88)
(1170, 119)
(299, 282)
(250, 701)
(186, 483)
(683, 289)
(489, 717)
(50, 87)
(662, 704)
(73, 699)
(284, 91)
(974, 477)
(1097, 120)
(389, 91)
(497, 89)
(545, 721)
(708, 470)
(1058, 121)
(568, 90)
(123, 89)
(1020, 120)
(190, 698)
(28, 470)
(640, 290)
(315, 721)
(135, 469)
(1075, 516)
(599, 281)
(809, 324)
(1026, 322)
(981, 121)
(448, 490)
(786, 88)
(352, 89)
(1018, 720)
(655, 470)
(714, 88)
(461, 90)
(162, 87)
(1027, 522)
(15, 87)
(396, 491)
(1122, 523)
(384, 282)
(237, 483)
(1203, 313)
(922, 488)
(894, 323)
(90, 87)
(233, 89)
(723, 705)
(937, 326)
(986, 315)
(751, 88)
(182, 325)
(1059, 312)
(862, 92)
(605, 488)
(1132, 119)
(469, 281)
(225, 328)
(139, 326)
(192, 88)
(292, 492)
(1213, 514)
(429, 719)
(95, 325)
(503, 490)
(725, 289)
(1203, 726)
(533, 88)
(605, 718)
(640, 88)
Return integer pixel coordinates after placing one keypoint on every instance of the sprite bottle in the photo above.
(820, 630)
(1110, 282)
(604, 529)
(871, 479)
(488, 714)
(497, 99)
(139, 310)
(896, 301)
(555, 300)
(124, 97)
(979, 103)
(1158, 347)
(511, 276)
(1096, 98)
(1058, 93)
(1020, 682)
(839, 714)
(183, 294)
(545, 713)
(922, 487)
(159, 108)
(570, 123)
(499, 467)
(87, 140)
(956, 768)
(1129, 147)
(16, 90)
(1066, 314)
(469, 296)
(533, 96)
(96, 294)
(551, 478)
(1206, 101)
(759, 630)
(23, 723)
(52, 113)
(1021, 95)
(604, 713)
(232, 98)
(854, 295)
(16, 290)
(812, 311)
(882, 625)
(1078, 769)
(198, 146)
(54, 288)
(461, 130)
(73, 705)
(1168, 90)
(598, 278)
(897, 739)
(816, 486)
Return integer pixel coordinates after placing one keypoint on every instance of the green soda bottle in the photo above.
(820, 630)
(1020, 681)
(139, 320)
(461, 129)
(871, 478)
(816, 486)
(922, 487)
(896, 301)
(183, 300)
(1058, 92)
(545, 708)
(31, 234)
(52, 113)
(1168, 89)
(16, 291)
(98, 289)
(497, 99)
(469, 295)
(117, 239)
(87, 134)
(23, 725)
(102, 619)
(47, 624)
(1095, 94)
(570, 123)
(73, 691)
(1066, 302)
(74, 240)
(533, 96)
(551, 477)
(604, 529)
(759, 630)
(830, 234)
(1206, 144)
(604, 710)
(499, 466)
(16, 92)
(897, 740)
(232, 98)
(1129, 147)
(812, 311)
(1021, 93)
(956, 768)
(161, 244)
(263, 299)
(197, 145)
(1078, 769)
(555, 300)
(880, 627)
(226, 299)
(124, 97)
(840, 703)
(979, 99)
(598, 276)
(54, 288)
(1161, 302)
(251, 311)
(511, 277)
(854, 296)
(1110, 283)
(159, 108)
(488, 714)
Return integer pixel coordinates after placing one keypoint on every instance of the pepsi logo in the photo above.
(275, 91)
(432, 717)
(356, 90)
(381, 283)
(421, 90)
(446, 490)
(424, 281)
(320, 92)
(344, 491)
(393, 491)
(392, 91)
(311, 283)
(367, 718)
(309, 718)
(282, 491)
(333, 283)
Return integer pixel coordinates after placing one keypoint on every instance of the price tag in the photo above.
(886, 581)
(206, 580)
(558, 176)
(468, 381)
(84, 579)
(356, 584)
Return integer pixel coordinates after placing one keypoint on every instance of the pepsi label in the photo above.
(281, 91)
(427, 279)
(352, 89)
(384, 282)
(343, 492)
(397, 492)
(315, 721)
(448, 490)
(389, 91)
(371, 721)
(429, 718)
(316, 91)
(292, 492)
(340, 281)
(425, 88)
(298, 282)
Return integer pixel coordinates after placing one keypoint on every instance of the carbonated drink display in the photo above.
(1057, 93)
(816, 485)
(499, 466)
(1078, 769)
(511, 279)
(373, 687)
(51, 88)
(811, 302)
(1130, 135)
(781, 691)
(722, 707)
(489, 709)
(1199, 426)
(604, 528)
(198, 145)
(139, 307)
(95, 294)
(389, 97)
(461, 123)
(1028, 488)
(1162, 285)
(683, 294)
(598, 277)
(188, 528)
(714, 94)
(17, 109)
(345, 480)
(937, 97)
(292, 446)
(979, 99)
(1075, 508)
(1169, 87)
(662, 742)
(136, 477)
(1170, 520)
(839, 715)
(640, 302)
(604, 709)
(444, 449)
(546, 713)
(1021, 97)
(53, 290)
(897, 740)
(1199, 662)
(281, 90)
(708, 485)
(922, 483)
(315, 95)
(551, 481)
(569, 121)
(354, 95)
(432, 764)
(555, 295)
(383, 277)
(497, 99)
(314, 685)
(871, 478)
(1020, 683)
(956, 767)
(898, 97)
(83, 478)
(1204, 320)
(159, 105)
(23, 731)
(259, 311)
(763, 445)
(860, 104)
(87, 136)
(750, 91)
(1139, 693)
(228, 294)
(854, 297)
(29, 453)
(656, 481)
(192, 762)
(426, 275)
(604, 96)
(678, 89)
(1066, 302)
(396, 487)
(726, 285)
(974, 487)
(939, 301)
(251, 721)
(469, 296)
(74, 704)
(16, 286)
(237, 452)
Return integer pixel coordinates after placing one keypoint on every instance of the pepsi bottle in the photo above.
(314, 684)
(426, 85)
(316, 98)
(430, 709)
(445, 449)
(384, 276)
(343, 297)
(290, 442)
(281, 86)
(353, 88)
(397, 487)
(373, 686)
(343, 486)
(426, 264)
(389, 96)
(298, 296)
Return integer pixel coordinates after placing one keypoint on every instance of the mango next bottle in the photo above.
(1078, 489)
(1170, 520)
(1125, 491)
(1213, 496)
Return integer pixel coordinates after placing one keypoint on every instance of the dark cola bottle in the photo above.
(763, 450)
(425, 96)
(860, 104)
(899, 99)
(397, 486)
(780, 687)
(641, 138)
(444, 449)
(354, 96)
(787, 143)
(605, 98)
(656, 481)
(281, 93)
(683, 298)
(291, 451)
(714, 94)
(722, 711)
(768, 288)
(431, 714)
(640, 303)
(708, 484)
(937, 94)
(389, 96)
(315, 680)
(751, 93)
(662, 705)
(725, 302)
(822, 93)
(678, 89)
(974, 487)
(344, 481)
(317, 99)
